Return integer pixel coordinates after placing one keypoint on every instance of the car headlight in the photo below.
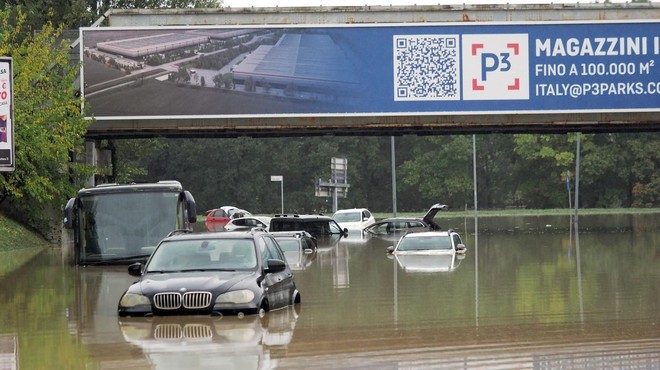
(236, 297)
(132, 300)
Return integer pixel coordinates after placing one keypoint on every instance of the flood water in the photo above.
(531, 292)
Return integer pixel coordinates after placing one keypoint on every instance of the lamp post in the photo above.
(281, 180)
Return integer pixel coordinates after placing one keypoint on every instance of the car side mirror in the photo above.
(191, 206)
(461, 248)
(275, 266)
(135, 269)
(69, 214)
(390, 249)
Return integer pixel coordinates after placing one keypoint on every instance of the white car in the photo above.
(429, 242)
(247, 222)
(354, 219)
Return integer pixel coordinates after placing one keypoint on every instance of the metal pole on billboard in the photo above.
(474, 171)
(577, 175)
(281, 180)
(393, 178)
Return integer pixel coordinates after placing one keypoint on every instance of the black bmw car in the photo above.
(238, 272)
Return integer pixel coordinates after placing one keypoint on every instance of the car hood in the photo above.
(427, 263)
(430, 214)
(191, 281)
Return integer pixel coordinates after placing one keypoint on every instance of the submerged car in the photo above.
(447, 242)
(299, 248)
(247, 223)
(317, 225)
(402, 225)
(354, 219)
(232, 272)
(220, 216)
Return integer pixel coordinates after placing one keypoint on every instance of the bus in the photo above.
(123, 223)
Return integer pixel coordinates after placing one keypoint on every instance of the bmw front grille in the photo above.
(168, 331)
(188, 331)
(188, 300)
(195, 300)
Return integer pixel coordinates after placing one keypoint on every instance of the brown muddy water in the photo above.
(531, 292)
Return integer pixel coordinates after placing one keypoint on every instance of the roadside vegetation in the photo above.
(529, 212)
(48, 123)
(514, 171)
(18, 244)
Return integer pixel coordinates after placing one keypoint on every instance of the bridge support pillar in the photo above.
(100, 157)
(91, 158)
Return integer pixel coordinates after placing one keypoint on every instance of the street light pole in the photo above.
(281, 180)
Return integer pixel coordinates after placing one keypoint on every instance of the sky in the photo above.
(313, 3)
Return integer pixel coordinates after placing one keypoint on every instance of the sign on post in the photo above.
(6, 115)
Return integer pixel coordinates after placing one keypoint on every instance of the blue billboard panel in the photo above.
(393, 69)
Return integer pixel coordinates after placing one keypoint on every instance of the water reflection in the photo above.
(573, 296)
(428, 262)
(211, 342)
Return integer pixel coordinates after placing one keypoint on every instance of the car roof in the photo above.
(427, 233)
(351, 210)
(301, 217)
(239, 234)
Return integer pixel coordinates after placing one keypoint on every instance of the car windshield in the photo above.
(209, 254)
(348, 217)
(424, 243)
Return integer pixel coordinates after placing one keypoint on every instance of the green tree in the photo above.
(644, 166)
(544, 158)
(68, 14)
(154, 4)
(440, 170)
(48, 123)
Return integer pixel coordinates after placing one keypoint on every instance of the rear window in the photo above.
(348, 217)
(286, 225)
(313, 226)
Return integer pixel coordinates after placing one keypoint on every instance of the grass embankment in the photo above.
(526, 212)
(17, 244)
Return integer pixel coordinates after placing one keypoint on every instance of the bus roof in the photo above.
(168, 186)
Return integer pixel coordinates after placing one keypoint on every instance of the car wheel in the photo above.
(295, 298)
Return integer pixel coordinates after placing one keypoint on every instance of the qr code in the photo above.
(426, 67)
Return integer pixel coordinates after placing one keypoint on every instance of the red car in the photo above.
(218, 217)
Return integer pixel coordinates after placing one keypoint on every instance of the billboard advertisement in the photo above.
(371, 69)
(6, 115)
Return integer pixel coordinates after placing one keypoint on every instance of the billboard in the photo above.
(371, 69)
(6, 114)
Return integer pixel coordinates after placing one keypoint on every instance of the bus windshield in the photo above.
(116, 226)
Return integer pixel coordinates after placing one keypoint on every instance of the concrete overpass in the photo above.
(645, 119)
